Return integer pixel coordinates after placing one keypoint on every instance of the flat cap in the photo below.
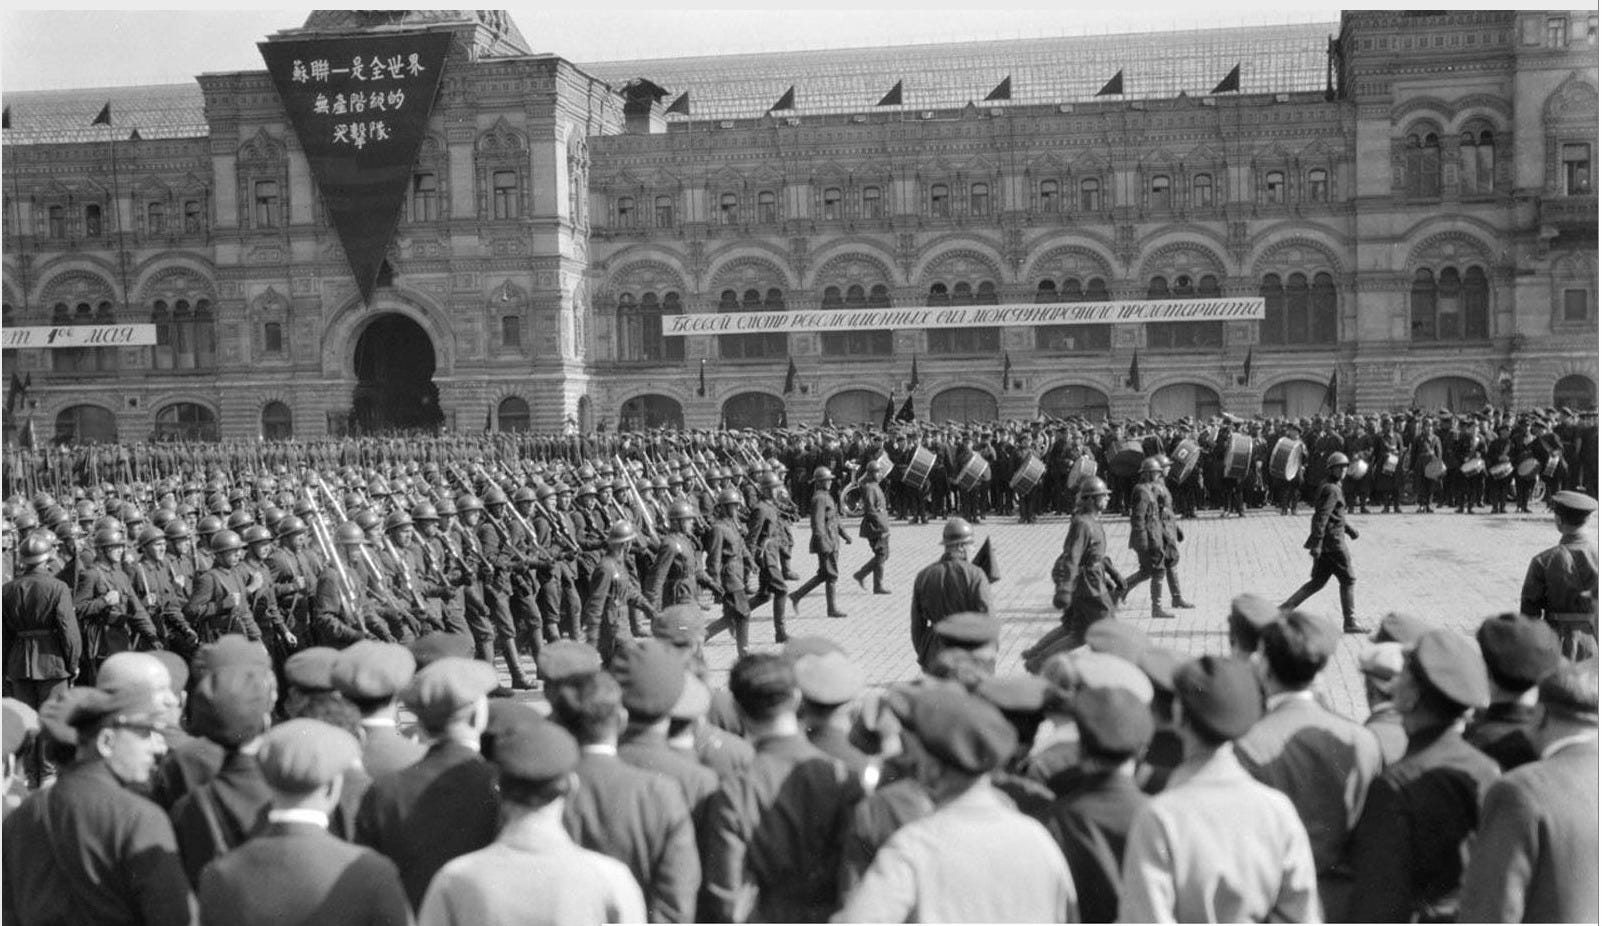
(371, 671)
(565, 659)
(1452, 665)
(682, 625)
(231, 650)
(302, 755)
(961, 730)
(1382, 661)
(535, 750)
(1086, 668)
(17, 720)
(1254, 610)
(177, 669)
(438, 692)
(1112, 722)
(1119, 638)
(1570, 691)
(828, 678)
(810, 645)
(312, 669)
(83, 709)
(651, 675)
(232, 706)
(693, 700)
(504, 713)
(1220, 694)
(432, 647)
(1401, 628)
(968, 629)
(1518, 651)
(1574, 501)
(1015, 694)
(1159, 665)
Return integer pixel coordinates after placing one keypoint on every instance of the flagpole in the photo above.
(116, 219)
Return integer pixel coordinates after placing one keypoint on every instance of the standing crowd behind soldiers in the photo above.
(204, 675)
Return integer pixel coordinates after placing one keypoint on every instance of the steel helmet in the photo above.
(53, 515)
(675, 479)
(130, 514)
(659, 482)
(642, 485)
(544, 493)
(26, 521)
(621, 484)
(271, 516)
(443, 506)
(621, 531)
(1336, 459)
(86, 510)
(1151, 465)
(682, 511)
(823, 474)
(289, 525)
(256, 533)
(493, 496)
(209, 525)
(586, 489)
(150, 534)
(108, 522)
(163, 517)
(425, 511)
(35, 549)
(1093, 485)
(226, 540)
(396, 520)
(350, 533)
(957, 530)
(367, 519)
(110, 537)
(240, 519)
(730, 497)
(525, 494)
(767, 480)
(177, 529)
(467, 501)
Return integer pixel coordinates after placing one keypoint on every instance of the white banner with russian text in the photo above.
(968, 316)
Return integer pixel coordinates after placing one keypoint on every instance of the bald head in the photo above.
(143, 670)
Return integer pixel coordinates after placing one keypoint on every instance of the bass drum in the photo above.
(1187, 453)
(1528, 467)
(1434, 469)
(1083, 468)
(919, 467)
(1125, 463)
(1286, 461)
(1358, 469)
(975, 472)
(1028, 475)
(1502, 470)
(1238, 457)
(1472, 467)
(1389, 466)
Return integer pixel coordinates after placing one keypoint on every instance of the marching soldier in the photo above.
(497, 563)
(677, 571)
(764, 538)
(294, 568)
(1154, 535)
(950, 585)
(728, 562)
(344, 607)
(111, 613)
(1327, 544)
(264, 599)
(827, 532)
(442, 569)
(1087, 582)
(43, 645)
(460, 530)
(614, 598)
(875, 529)
(153, 580)
(220, 601)
(559, 594)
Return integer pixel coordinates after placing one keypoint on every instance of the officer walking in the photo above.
(950, 585)
(1327, 544)
(827, 532)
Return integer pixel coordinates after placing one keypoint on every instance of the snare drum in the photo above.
(923, 460)
(1358, 469)
(1151, 445)
(1186, 454)
(1434, 469)
(1238, 458)
(1083, 468)
(1286, 461)
(882, 465)
(1125, 464)
(1472, 467)
(1502, 470)
(975, 472)
(1527, 467)
(1028, 475)
(1389, 466)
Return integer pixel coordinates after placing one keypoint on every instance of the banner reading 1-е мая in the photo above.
(969, 316)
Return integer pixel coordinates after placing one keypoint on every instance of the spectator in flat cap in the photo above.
(1216, 845)
(629, 814)
(564, 658)
(1322, 761)
(371, 676)
(1248, 616)
(309, 677)
(19, 726)
(294, 869)
(443, 805)
(232, 707)
(830, 683)
(650, 672)
(1405, 629)
(963, 646)
(796, 797)
(1518, 652)
(1405, 850)
(115, 859)
(534, 873)
(1119, 638)
(1022, 701)
(1560, 583)
(941, 868)
(1380, 664)
(438, 644)
(1090, 818)
(1535, 857)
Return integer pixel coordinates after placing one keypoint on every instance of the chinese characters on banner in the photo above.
(359, 106)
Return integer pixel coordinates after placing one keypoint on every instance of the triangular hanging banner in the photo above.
(104, 118)
(5, 118)
(893, 98)
(359, 106)
(1003, 90)
(1230, 83)
(680, 105)
(785, 102)
(1116, 85)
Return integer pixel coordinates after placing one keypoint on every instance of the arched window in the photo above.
(92, 226)
(639, 327)
(277, 422)
(979, 199)
(644, 412)
(964, 340)
(267, 204)
(963, 404)
(1161, 192)
(1274, 187)
(186, 335)
(1075, 402)
(1184, 335)
(855, 343)
(1453, 393)
(1090, 195)
(1451, 305)
(939, 200)
(1575, 391)
(1201, 190)
(272, 337)
(1073, 338)
(729, 209)
(425, 197)
(1318, 185)
(86, 424)
(84, 359)
(664, 212)
(856, 407)
(512, 331)
(626, 215)
(1180, 400)
(752, 346)
(504, 194)
(512, 414)
(768, 207)
(754, 410)
(58, 221)
(832, 204)
(186, 421)
(1297, 398)
(1050, 196)
(1423, 165)
(156, 218)
(1476, 154)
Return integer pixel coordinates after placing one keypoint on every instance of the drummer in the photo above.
(1285, 469)
(1499, 456)
(1428, 465)
(1388, 467)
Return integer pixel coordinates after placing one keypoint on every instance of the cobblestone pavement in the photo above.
(1449, 569)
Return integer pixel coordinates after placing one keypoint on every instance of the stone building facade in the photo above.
(1422, 226)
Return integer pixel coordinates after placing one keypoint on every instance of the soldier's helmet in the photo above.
(177, 529)
(823, 474)
(467, 501)
(1094, 485)
(256, 533)
(209, 525)
(367, 519)
(525, 494)
(396, 520)
(350, 533)
(586, 489)
(150, 534)
(621, 532)
(730, 497)
(1336, 459)
(659, 482)
(681, 511)
(239, 520)
(544, 493)
(425, 511)
(957, 530)
(494, 496)
(110, 537)
(35, 549)
(290, 525)
(768, 480)
(1152, 465)
(226, 540)
(108, 522)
